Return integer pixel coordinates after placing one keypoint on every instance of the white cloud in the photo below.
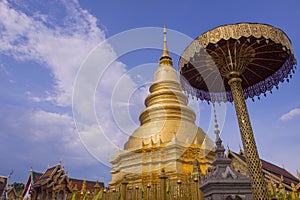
(61, 48)
(38, 133)
(290, 115)
(50, 125)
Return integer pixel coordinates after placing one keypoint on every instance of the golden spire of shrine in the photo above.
(167, 114)
(165, 58)
(167, 134)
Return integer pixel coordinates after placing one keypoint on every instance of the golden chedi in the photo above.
(167, 137)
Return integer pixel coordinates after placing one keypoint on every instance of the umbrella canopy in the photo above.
(261, 55)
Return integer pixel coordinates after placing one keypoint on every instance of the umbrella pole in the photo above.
(258, 184)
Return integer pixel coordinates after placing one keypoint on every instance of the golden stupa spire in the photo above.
(165, 58)
(167, 114)
(166, 133)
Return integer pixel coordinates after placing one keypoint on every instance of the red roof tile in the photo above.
(33, 178)
(47, 173)
(89, 184)
(288, 178)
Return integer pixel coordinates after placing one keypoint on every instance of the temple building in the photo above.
(169, 157)
(3, 185)
(272, 173)
(7, 192)
(54, 183)
(167, 137)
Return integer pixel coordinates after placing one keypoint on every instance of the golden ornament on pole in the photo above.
(235, 62)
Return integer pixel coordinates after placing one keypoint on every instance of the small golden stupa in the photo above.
(167, 137)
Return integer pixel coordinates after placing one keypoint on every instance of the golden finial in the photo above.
(97, 185)
(75, 188)
(292, 185)
(280, 182)
(241, 152)
(217, 131)
(165, 58)
(293, 195)
(83, 188)
(160, 140)
(152, 142)
(165, 40)
(271, 188)
(281, 189)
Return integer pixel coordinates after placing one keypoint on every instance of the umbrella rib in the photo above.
(224, 54)
(192, 77)
(265, 45)
(263, 52)
(206, 77)
(262, 66)
(267, 59)
(244, 79)
(196, 68)
(215, 81)
(241, 48)
(255, 73)
(195, 62)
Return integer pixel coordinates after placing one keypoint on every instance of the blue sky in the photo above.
(44, 43)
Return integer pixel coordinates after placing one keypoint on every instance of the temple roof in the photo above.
(32, 179)
(90, 185)
(54, 175)
(288, 178)
(47, 175)
(12, 192)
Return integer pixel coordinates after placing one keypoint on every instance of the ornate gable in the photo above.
(54, 179)
(237, 163)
